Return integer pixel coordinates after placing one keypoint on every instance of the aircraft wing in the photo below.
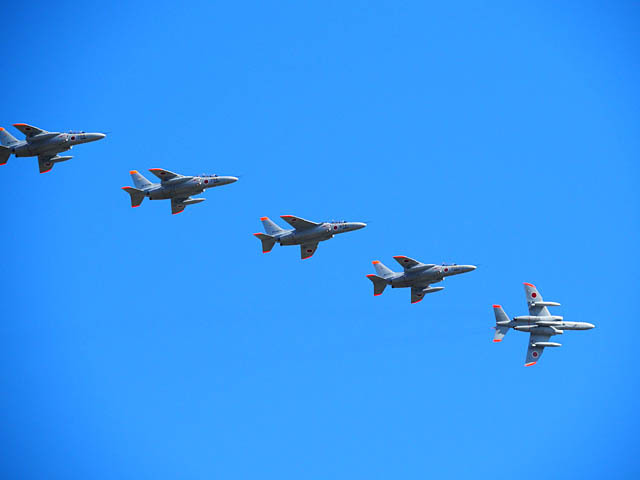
(417, 293)
(406, 262)
(163, 174)
(307, 250)
(45, 163)
(534, 353)
(29, 130)
(298, 223)
(177, 205)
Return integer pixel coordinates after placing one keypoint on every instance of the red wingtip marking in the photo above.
(19, 124)
(1, 129)
(529, 364)
(496, 340)
(256, 234)
(529, 285)
(418, 300)
(370, 275)
(286, 216)
(264, 218)
(497, 306)
(177, 212)
(133, 171)
(135, 206)
(45, 171)
(375, 262)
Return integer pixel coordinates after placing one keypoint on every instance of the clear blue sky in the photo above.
(140, 345)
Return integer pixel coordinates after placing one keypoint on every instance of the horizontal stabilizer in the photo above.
(267, 241)
(137, 196)
(5, 153)
(501, 320)
(379, 284)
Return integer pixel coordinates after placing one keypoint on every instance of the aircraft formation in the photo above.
(417, 276)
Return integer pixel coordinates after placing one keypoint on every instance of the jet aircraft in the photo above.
(418, 276)
(45, 145)
(539, 323)
(178, 188)
(305, 233)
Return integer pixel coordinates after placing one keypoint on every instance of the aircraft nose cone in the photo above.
(231, 179)
(358, 225)
(589, 325)
(468, 268)
(92, 137)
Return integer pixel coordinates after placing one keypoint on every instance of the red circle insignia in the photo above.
(534, 295)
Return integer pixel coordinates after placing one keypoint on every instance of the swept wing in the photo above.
(308, 249)
(299, 223)
(29, 130)
(163, 174)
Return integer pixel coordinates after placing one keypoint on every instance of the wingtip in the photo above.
(377, 294)
(497, 306)
(375, 262)
(262, 219)
(45, 171)
(133, 171)
(176, 213)
(259, 233)
(19, 124)
(530, 364)
(418, 301)
(497, 340)
(1, 129)
(529, 285)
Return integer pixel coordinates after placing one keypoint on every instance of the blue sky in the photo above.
(136, 344)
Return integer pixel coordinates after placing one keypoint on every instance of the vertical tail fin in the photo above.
(501, 318)
(6, 139)
(267, 241)
(139, 181)
(382, 270)
(270, 227)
